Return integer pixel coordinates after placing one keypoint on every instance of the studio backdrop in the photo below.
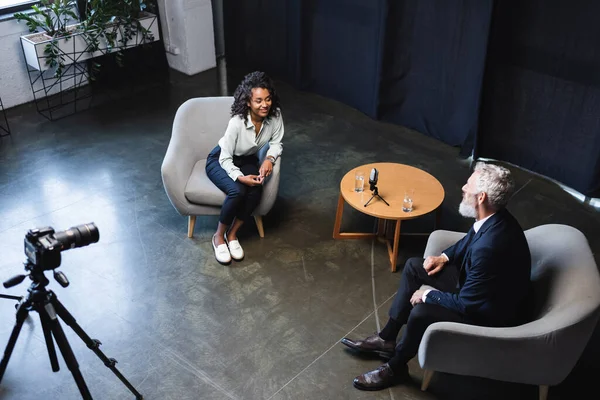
(511, 80)
(541, 92)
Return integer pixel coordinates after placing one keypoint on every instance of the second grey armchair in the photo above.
(199, 124)
(542, 352)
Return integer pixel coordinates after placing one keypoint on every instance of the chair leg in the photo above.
(543, 392)
(191, 225)
(427, 379)
(259, 225)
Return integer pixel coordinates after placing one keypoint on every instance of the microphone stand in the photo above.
(375, 191)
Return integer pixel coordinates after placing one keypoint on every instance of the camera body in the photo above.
(43, 245)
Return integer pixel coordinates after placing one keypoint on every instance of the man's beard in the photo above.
(466, 209)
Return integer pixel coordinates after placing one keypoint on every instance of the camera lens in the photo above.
(78, 236)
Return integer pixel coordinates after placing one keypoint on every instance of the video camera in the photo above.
(42, 248)
(43, 245)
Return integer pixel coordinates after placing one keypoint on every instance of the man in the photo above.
(484, 279)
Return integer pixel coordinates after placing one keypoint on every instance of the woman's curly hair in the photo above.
(243, 94)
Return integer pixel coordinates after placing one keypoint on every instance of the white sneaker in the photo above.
(235, 249)
(221, 252)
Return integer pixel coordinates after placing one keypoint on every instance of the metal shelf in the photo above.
(4, 127)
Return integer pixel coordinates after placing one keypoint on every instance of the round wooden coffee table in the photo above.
(394, 179)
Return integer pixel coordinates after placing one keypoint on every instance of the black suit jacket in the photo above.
(495, 268)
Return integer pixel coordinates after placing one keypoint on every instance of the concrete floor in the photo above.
(181, 325)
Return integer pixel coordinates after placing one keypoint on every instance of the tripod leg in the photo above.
(92, 344)
(65, 349)
(6, 296)
(367, 203)
(22, 313)
(382, 199)
(46, 327)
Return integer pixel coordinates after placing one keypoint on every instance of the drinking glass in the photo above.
(359, 181)
(407, 203)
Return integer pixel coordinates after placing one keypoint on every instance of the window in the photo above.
(12, 6)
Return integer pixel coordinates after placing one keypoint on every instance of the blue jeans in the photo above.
(241, 200)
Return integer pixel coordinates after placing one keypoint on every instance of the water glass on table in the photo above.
(407, 203)
(359, 181)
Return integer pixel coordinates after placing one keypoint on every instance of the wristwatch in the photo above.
(272, 159)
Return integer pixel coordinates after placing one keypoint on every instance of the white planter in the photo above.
(74, 48)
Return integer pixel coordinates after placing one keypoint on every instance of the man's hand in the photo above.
(417, 297)
(251, 180)
(266, 168)
(433, 265)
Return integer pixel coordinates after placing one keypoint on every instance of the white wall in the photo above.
(187, 28)
(14, 81)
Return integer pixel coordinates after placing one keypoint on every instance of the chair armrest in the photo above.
(181, 156)
(175, 173)
(440, 240)
(532, 353)
(270, 190)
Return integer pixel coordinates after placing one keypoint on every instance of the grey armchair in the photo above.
(542, 352)
(199, 124)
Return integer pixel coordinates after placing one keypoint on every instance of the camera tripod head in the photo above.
(43, 247)
(38, 278)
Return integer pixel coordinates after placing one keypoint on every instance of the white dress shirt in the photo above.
(241, 139)
(476, 227)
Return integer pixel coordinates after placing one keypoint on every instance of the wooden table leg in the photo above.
(338, 218)
(394, 255)
(381, 230)
(337, 226)
(438, 218)
(380, 227)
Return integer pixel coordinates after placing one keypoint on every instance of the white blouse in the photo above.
(241, 139)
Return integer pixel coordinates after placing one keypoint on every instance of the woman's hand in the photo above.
(266, 168)
(251, 180)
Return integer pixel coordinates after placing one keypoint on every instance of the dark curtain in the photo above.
(433, 67)
(331, 47)
(517, 80)
(343, 49)
(418, 63)
(264, 35)
(541, 92)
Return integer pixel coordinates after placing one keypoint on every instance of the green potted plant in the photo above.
(59, 39)
(53, 25)
(115, 25)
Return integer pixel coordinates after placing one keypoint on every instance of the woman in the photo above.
(233, 165)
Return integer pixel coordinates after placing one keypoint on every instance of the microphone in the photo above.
(373, 177)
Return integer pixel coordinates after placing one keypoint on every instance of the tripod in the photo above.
(375, 194)
(46, 304)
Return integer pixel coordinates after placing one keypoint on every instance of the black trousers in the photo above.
(418, 318)
(241, 200)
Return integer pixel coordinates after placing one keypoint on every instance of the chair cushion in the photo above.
(200, 190)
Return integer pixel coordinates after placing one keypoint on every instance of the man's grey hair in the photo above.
(496, 182)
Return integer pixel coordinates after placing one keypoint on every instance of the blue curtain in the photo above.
(541, 92)
(433, 67)
(343, 48)
(516, 81)
(264, 35)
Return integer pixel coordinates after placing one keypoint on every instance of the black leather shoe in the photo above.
(380, 378)
(373, 345)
